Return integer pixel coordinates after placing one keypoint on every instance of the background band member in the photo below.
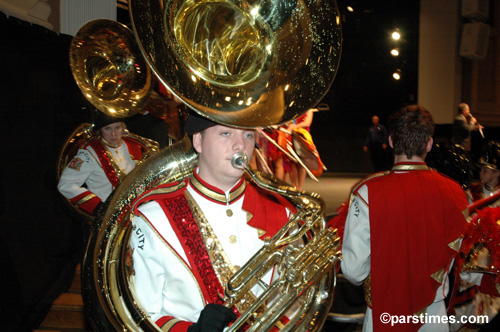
(99, 165)
(489, 174)
(403, 230)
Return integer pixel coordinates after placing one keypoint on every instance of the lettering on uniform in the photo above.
(140, 236)
(84, 155)
(355, 205)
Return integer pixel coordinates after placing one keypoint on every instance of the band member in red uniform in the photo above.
(99, 165)
(403, 231)
(190, 237)
(489, 174)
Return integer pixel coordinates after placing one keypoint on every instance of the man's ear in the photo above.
(428, 147)
(390, 142)
(197, 142)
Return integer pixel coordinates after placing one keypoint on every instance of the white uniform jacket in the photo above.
(85, 182)
(164, 280)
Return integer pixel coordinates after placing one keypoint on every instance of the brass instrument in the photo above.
(108, 68)
(242, 64)
(77, 138)
(106, 289)
(308, 273)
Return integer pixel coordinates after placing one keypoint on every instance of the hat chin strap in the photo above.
(111, 145)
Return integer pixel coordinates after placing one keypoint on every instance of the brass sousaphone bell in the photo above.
(245, 64)
(242, 63)
(112, 74)
(109, 69)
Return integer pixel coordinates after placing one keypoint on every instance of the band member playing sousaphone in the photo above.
(205, 245)
(100, 164)
(477, 286)
(189, 237)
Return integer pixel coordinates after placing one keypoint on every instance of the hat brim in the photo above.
(490, 166)
(196, 123)
(102, 120)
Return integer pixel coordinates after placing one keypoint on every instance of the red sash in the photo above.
(179, 213)
(134, 149)
(106, 165)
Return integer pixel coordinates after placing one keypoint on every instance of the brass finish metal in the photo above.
(109, 69)
(107, 291)
(242, 63)
(307, 275)
(77, 138)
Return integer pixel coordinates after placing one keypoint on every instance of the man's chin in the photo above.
(236, 173)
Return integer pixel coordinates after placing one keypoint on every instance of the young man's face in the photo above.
(113, 133)
(489, 176)
(216, 146)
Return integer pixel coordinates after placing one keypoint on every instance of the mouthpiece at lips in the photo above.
(239, 160)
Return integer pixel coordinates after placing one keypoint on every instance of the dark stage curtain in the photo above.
(40, 105)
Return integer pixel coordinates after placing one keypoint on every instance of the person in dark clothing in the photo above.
(377, 144)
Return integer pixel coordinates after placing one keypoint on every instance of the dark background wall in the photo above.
(40, 106)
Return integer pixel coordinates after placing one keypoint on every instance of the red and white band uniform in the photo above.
(406, 247)
(170, 277)
(100, 167)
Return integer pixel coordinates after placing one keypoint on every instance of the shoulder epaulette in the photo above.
(163, 191)
(86, 143)
(369, 178)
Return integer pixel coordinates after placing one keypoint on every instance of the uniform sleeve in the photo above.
(73, 178)
(149, 276)
(148, 256)
(356, 253)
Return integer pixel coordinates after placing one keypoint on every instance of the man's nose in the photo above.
(239, 143)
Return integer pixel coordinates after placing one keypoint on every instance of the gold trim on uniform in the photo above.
(218, 197)
(360, 184)
(85, 199)
(175, 254)
(439, 276)
(168, 325)
(223, 267)
(455, 245)
(410, 167)
(420, 312)
(367, 288)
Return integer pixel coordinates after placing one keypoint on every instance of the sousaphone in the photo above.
(245, 64)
